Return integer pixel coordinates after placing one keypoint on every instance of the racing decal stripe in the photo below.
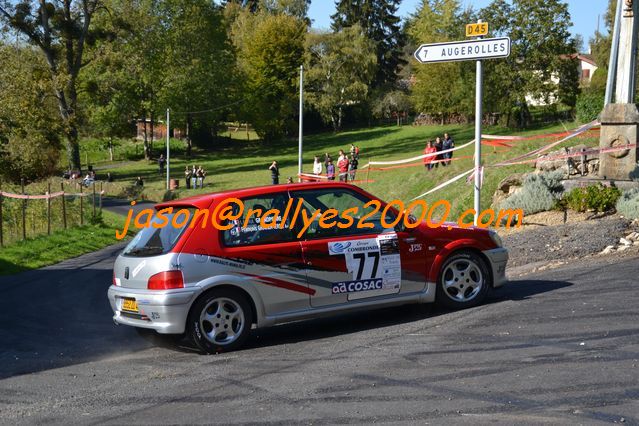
(276, 282)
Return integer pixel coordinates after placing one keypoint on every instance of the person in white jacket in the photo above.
(317, 166)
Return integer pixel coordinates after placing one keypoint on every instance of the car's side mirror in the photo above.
(401, 225)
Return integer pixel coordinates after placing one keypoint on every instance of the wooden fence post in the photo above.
(93, 199)
(64, 207)
(100, 196)
(1, 236)
(49, 208)
(24, 212)
(81, 210)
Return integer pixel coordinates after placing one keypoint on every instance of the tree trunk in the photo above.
(189, 142)
(147, 154)
(111, 149)
(73, 148)
(152, 135)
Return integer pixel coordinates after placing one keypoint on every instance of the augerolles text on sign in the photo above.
(464, 50)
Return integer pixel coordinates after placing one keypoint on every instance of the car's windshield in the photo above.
(153, 241)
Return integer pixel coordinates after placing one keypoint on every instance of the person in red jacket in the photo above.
(428, 161)
(342, 167)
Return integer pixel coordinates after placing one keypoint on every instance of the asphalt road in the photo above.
(556, 347)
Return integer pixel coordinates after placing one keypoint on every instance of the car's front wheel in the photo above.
(220, 321)
(464, 281)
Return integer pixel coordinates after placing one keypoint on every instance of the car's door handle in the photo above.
(410, 240)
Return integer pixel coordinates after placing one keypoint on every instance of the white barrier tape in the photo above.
(577, 132)
(594, 151)
(45, 196)
(471, 178)
(448, 182)
(419, 157)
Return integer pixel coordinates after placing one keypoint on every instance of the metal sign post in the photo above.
(299, 160)
(477, 49)
(168, 151)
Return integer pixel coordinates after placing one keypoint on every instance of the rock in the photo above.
(636, 243)
(625, 242)
(634, 236)
(608, 250)
(508, 186)
(623, 248)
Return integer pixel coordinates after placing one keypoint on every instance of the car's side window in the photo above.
(356, 217)
(257, 226)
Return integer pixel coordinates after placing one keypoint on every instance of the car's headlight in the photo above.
(496, 238)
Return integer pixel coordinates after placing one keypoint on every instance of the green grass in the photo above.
(60, 245)
(245, 164)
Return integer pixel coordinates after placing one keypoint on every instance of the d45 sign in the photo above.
(478, 29)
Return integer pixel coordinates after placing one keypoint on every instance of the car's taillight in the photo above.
(115, 281)
(166, 280)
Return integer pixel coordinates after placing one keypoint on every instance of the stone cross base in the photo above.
(619, 126)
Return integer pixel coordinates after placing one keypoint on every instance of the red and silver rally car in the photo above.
(215, 284)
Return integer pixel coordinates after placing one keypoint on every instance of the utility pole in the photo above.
(479, 81)
(301, 123)
(168, 151)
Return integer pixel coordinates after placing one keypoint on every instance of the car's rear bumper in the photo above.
(162, 311)
(498, 259)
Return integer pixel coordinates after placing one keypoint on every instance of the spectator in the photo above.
(352, 166)
(194, 177)
(187, 175)
(357, 152)
(352, 150)
(448, 143)
(430, 149)
(275, 173)
(342, 166)
(341, 156)
(109, 177)
(289, 180)
(161, 163)
(317, 166)
(327, 158)
(330, 170)
(201, 174)
(139, 182)
(438, 147)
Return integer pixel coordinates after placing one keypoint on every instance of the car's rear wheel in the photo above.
(220, 321)
(464, 281)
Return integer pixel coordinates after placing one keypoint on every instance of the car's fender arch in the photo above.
(449, 249)
(242, 284)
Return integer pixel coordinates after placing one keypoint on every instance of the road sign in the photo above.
(464, 50)
(478, 29)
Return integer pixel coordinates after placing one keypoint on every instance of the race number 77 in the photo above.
(361, 257)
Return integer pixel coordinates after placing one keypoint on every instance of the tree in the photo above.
(340, 67)
(270, 50)
(61, 31)
(29, 124)
(380, 23)
(541, 52)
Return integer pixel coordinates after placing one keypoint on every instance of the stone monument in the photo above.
(620, 119)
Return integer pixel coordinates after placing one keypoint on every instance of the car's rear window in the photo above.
(154, 241)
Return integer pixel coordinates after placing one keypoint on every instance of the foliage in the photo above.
(540, 50)
(270, 49)
(380, 23)
(539, 192)
(628, 204)
(589, 105)
(61, 31)
(340, 68)
(392, 104)
(597, 198)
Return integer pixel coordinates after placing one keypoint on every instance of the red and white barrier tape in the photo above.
(46, 196)
(448, 182)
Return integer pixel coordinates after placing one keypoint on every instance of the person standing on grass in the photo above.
(201, 174)
(341, 156)
(438, 147)
(187, 175)
(327, 157)
(317, 166)
(330, 170)
(430, 149)
(448, 143)
(161, 163)
(342, 167)
(352, 167)
(275, 173)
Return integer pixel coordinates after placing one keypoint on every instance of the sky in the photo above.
(584, 19)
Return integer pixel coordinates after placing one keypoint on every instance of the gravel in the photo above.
(561, 242)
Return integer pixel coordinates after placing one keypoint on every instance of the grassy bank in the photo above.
(245, 163)
(60, 245)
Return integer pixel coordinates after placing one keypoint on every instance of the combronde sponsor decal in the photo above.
(360, 285)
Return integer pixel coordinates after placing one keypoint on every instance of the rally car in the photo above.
(215, 283)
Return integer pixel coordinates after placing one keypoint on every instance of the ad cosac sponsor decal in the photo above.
(355, 286)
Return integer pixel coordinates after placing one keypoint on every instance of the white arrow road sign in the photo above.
(464, 50)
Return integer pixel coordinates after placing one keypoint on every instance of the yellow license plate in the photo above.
(130, 305)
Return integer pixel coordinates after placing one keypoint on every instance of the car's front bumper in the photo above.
(498, 259)
(163, 311)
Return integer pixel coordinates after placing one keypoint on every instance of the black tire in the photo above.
(201, 329)
(463, 291)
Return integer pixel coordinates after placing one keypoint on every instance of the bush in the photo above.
(628, 204)
(539, 192)
(589, 105)
(594, 197)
